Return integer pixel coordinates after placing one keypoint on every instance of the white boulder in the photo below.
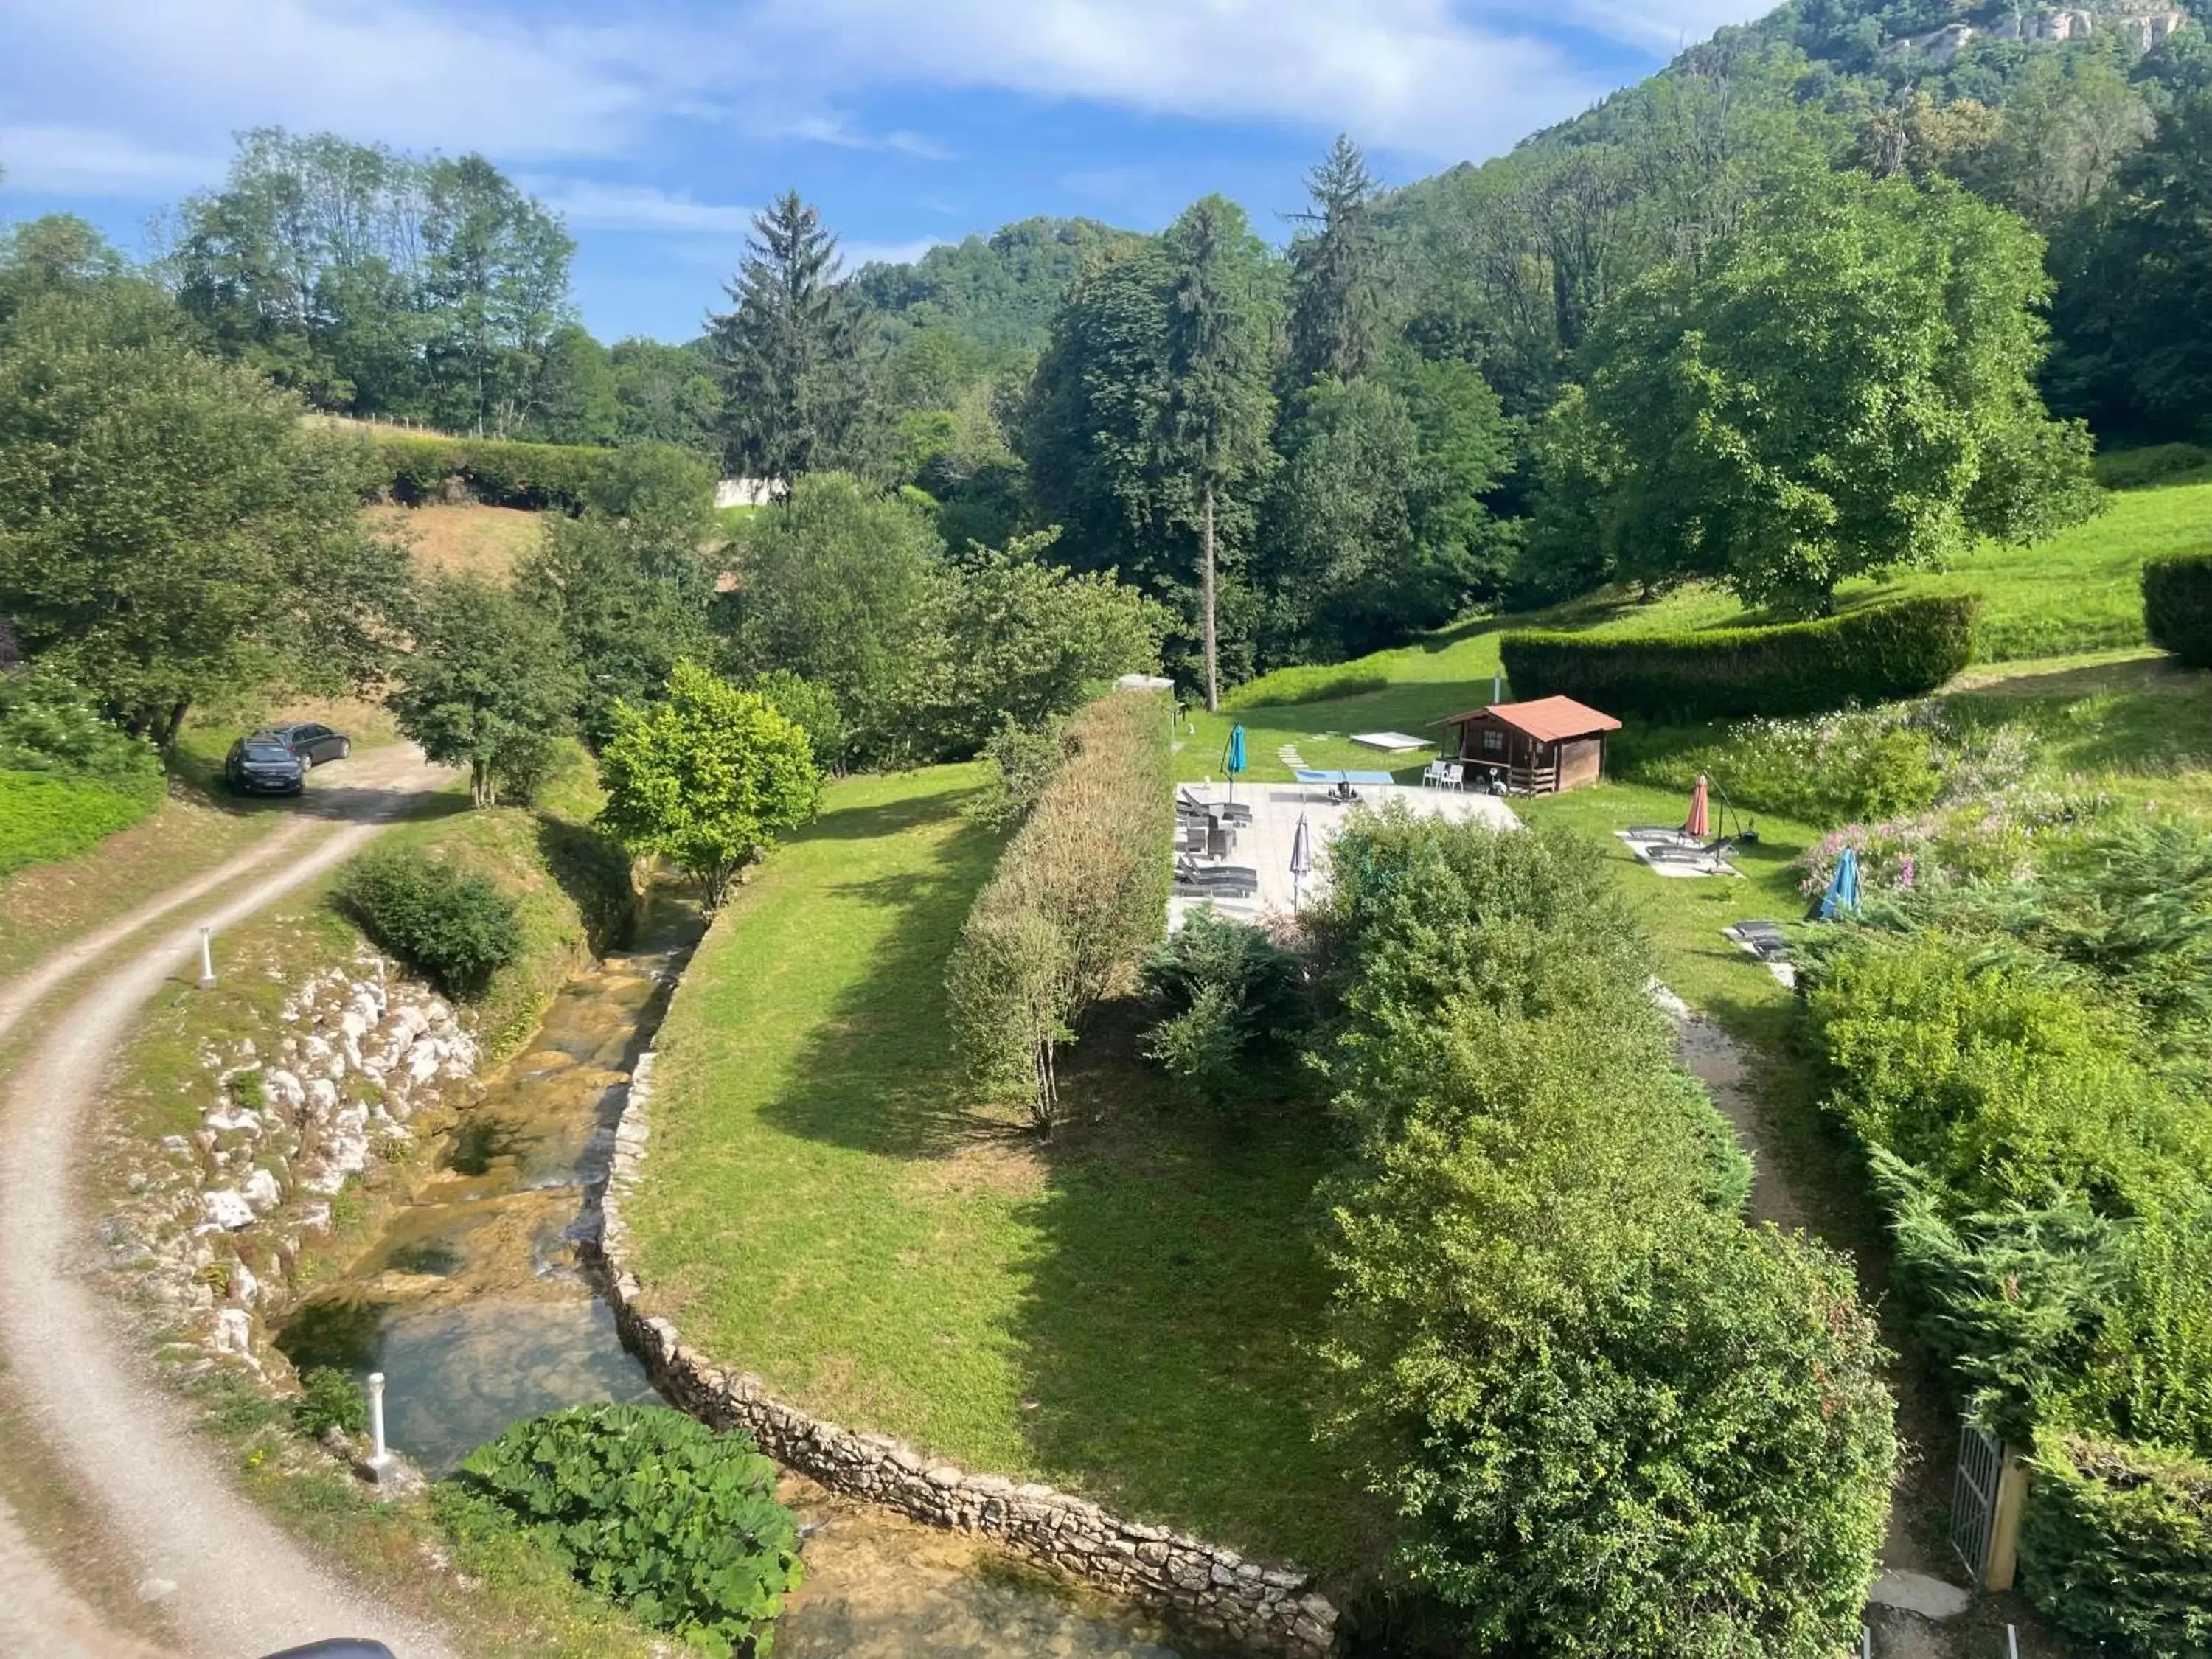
(226, 1208)
(260, 1189)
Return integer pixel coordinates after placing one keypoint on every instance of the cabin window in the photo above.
(1493, 741)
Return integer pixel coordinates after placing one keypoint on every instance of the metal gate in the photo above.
(1974, 1499)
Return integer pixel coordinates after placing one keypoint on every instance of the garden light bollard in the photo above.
(207, 960)
(378, 1456)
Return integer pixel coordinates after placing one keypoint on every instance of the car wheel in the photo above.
(345, 747)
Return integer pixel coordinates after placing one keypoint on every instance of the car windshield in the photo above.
(267, 751)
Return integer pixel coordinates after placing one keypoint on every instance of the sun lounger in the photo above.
(1339, 783)
(1232, 811)
(1763, 939)
(1711, 853)
(1222, 881)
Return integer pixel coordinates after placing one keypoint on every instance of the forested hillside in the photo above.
(1583, 363)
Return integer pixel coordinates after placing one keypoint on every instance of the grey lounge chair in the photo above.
(1223, 881)
(1190, 805)
(1709, 854)
(1763, 939)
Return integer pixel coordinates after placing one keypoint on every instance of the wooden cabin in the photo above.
(1543, 747)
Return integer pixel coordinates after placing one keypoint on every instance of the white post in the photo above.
(1498, 688)
(207, 960)
(378, 1456)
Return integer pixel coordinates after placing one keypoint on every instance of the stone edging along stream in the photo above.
(1272, 1610)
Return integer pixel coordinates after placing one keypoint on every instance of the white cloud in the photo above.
(1660, 26)
(408, 73)
(68, 160)
(819, 127)
(1410, 75)
(637, 207)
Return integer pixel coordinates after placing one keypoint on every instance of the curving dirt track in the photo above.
(228, 1582)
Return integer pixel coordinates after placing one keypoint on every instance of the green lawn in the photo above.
(1118, 1313)
(2075, 592)
(1684, 916)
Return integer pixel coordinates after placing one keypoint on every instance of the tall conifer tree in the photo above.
(792, 352)
(1218, 406)
(1334, 303)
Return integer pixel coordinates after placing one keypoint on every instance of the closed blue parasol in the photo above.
(1233, 762)
(1301, 857)
(1842, 892)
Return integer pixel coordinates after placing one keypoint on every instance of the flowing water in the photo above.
(474, 1305)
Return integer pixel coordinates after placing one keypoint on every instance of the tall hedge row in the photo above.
(1613, 1420)
(1080, 898)
(2176, 590)
(1900, 649)
(413, 468)
(2020, 1061)
(2118, 1539)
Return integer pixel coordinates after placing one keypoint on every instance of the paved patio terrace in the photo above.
(1264, 845)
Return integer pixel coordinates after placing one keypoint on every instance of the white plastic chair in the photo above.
(1432, 774)
(1455, 776)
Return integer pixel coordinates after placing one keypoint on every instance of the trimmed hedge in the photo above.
(2116, 1547)
(413, 468)
(1080, 898)
(2176, 592)
(1881, 653)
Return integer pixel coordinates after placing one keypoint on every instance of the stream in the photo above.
(473, 1303)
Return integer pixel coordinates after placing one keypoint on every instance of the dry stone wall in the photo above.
(1268, 1609)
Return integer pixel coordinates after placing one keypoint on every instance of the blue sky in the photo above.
(656, 128)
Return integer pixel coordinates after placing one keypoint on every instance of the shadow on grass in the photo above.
(593, 870)
(886, 818)
(1170, 1310)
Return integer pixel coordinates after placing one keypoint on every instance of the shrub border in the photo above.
(1269, 1609)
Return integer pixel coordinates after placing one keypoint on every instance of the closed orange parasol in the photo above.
(1700, 823)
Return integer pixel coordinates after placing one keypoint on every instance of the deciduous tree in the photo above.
(1846, 390)
(629, 582)
(705, 777)
(848, 587)
(169, 531)
(489, 685)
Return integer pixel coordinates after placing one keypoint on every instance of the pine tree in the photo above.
(1218, 407)
(1333, 298)
(794, 352)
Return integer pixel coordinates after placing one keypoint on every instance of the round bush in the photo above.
(455, 928)
(2177, 592)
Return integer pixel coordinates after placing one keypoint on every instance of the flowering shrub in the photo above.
(1874, 763)
(1997, 838)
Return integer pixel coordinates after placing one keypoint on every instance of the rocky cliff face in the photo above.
(2142, 28)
